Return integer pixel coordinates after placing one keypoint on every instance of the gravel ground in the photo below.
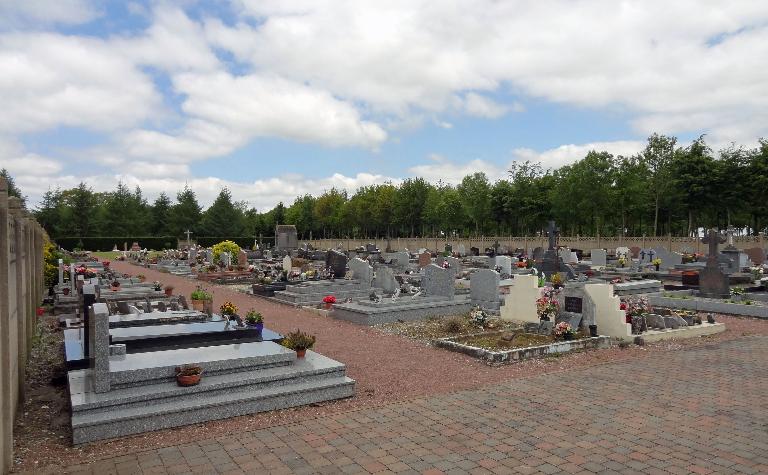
(386, 366)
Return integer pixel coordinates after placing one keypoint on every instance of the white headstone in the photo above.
(361, 271)
(505, 262)
(520, 302)
(287, 263)
(72, 279)
(61, 272)
(599, 257)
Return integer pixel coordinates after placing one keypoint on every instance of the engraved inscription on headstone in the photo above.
(573, 304)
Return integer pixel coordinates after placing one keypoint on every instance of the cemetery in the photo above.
(142, 356)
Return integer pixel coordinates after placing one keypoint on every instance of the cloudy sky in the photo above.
(279, 98)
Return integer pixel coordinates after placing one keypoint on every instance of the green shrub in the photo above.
(222, 247)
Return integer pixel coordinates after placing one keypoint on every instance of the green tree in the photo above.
(186, 212)
(409, 203)
(658, 155)
(161, 215)
(476, 197)
(13, 190)
(223, 218)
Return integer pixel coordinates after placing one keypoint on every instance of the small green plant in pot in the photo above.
(299, 342)
(199, 296)
(255, 320)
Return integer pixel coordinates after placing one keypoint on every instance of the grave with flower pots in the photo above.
(126, 392)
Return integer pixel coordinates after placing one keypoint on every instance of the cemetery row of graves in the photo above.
(141, 357)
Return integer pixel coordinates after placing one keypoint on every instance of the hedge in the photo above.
(92, 243)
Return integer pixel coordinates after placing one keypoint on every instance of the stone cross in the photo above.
(713, 238)
(552, 232)
(188, 232)
(729, 231)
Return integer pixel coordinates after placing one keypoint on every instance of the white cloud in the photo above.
(569, 153)
(446, 171)
(51, 80)
(480, 106)
(14, 13)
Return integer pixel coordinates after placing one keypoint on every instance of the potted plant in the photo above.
(656, 263)
(188, 375)
(228, 310)
(299, 342)
(168, 290)
(254, 320)
(329, 300)
(564, 331)
(622, 261)
(115, 285)
(142, 278)
(105, 264)
(199, 297)
(557, 280)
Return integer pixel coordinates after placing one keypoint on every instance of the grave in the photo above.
(756, 255)
(385, 280)
(286, 238)
(520, 301)
(122, 393)
(337, 263)
(425, 259)
(712, 281)
(484, 289)
(551, 262)
(599, 257)
(576, 306)
(505, 263)
(437, 299)
(668, 259)
(311, 293)
(361, 271)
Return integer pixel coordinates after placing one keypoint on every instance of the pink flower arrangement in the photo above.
(547, 305)
(562, 329)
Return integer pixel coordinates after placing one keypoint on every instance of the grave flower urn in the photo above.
(188, 376)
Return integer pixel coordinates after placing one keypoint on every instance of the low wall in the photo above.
(585, 243)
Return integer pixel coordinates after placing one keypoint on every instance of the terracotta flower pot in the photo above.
(169, 292)
(198, 305)
(301, 353)
(328, 305)
(189, 380)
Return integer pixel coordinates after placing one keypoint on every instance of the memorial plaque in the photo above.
(573, 304)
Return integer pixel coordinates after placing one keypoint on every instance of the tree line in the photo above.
(666, 188)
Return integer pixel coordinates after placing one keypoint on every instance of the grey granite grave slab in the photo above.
(439, 281)
(385, 280)
(362, 271)
(599, 257)
(484, 289)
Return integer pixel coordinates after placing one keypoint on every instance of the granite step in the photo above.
(160, 366)
(201, 407)
(313, 368)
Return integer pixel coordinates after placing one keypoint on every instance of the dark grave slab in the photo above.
(756, 255)
(337, 262)
(190, 335)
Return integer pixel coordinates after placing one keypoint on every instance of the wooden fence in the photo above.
(585, 243)
(21, 291)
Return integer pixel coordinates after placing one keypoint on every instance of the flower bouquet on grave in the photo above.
(478, 317)
(637, 308)
(547, 306)
(656, 263)
(622, 261)
(228, 311)
(329, 300)
(157, 285)
(255, 320)
(564, 331)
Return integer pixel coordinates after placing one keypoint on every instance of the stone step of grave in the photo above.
(387, 312)
(312, 368)
(287, 296)
(159, 406)
(327, 287)
(159, 366)
(633, 287)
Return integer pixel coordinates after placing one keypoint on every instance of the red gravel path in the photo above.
(387, 368)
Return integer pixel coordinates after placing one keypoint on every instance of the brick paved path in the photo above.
(699, 410)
